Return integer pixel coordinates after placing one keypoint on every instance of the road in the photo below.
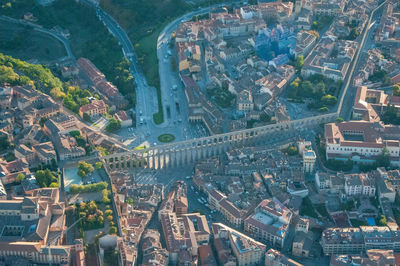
(345, 105)
(147, 131)
(39, 28)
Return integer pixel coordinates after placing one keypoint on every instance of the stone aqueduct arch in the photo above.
(185, 152)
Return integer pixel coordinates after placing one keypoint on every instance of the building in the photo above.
(153, 253)
(94, 108)
(330, 58)
(3, 192)
(358, 240)
(275, 258)
(359, 185)
(206, 256)
(32, 228)
(246, 250)
(362, 141)
(302, 245)
(305, 42)
(309, 159)
(369, 104)
(181, 242)
(373, 257)
(123, 117)
(269, 223)
(342, 241)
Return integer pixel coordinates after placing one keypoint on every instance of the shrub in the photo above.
(75, 189)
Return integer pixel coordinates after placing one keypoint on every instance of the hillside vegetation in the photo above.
(88, 36)
(16, 72)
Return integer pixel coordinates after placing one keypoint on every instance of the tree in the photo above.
(339, 120)
(320, 90)
(53, 184)
(294, 89)
(383, 159)
(84, 168)
(81, 173)
(113, 230)
(99, 165)
(315, 25)
(306, 89)
(20, 177)
(4, 144)
(129, 201)
(382, 221)
(105, 199)
(329, 100)
(292, 150)
(45, 178)
(354, 33)
(396, 89)
(42, 121)
(113, 125)
(86, 117)
(299, 62)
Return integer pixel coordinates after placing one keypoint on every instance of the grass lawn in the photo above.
(146, 49)
(166, 138)
(139, 148)
(26, 44)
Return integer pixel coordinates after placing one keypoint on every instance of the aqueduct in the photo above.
(189, 151)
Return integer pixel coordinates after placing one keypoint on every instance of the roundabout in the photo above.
(166, 138)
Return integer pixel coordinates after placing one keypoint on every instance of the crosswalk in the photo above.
(146, 178)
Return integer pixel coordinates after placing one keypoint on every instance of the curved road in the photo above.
(39, 28)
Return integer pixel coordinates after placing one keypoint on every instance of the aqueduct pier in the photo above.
(189, 151)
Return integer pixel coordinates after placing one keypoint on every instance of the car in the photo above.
(199, 200)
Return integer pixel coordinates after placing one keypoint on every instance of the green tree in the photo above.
(84, 168)
(129, 201)
(20, 177)
(99, 165)
(382, 220)
(339, 120)
(383, 159)
(294, 89)
(396, 89)
(306, 89)
(299, 62)
(45, 178)
(4, 144)
(113, 230)
(87, 118)
(320, 90)
(53, 184)
(113, 125)
(329, 100)
(42, 121)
